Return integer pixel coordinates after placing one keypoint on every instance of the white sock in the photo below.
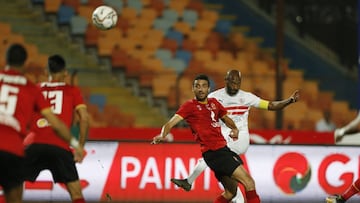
(199, 168)
(239, 198)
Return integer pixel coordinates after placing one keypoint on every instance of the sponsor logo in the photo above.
(292, 172)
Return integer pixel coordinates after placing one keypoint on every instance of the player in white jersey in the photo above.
(238, 103)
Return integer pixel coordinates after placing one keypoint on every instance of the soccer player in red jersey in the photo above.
(44, 149)
(203, 115)
(19, 100)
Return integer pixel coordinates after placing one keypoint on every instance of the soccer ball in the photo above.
(104, 17)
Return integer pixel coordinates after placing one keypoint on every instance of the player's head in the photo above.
(16, 55)
(57, 66)
(201, 87)
(232, 82)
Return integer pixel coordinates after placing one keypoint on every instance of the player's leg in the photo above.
(351, 191)
(75, 191)
(230, 186)
(14, 195)
(239, 197)
(64, 170)
(186, 183)
(242, 176)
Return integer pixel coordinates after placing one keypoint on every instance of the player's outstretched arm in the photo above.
(279, 105)
(63, 131)
(166, 129)
(83, 124)
(349, 128)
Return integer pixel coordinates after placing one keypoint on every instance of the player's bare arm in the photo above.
(63, 132)
(83, 124)
(279, 105)
(166, 129)
(230, 124)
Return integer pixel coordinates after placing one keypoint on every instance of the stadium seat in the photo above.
(162, 24)
(170, 15)
(210, 15)
(135, 4)
(184, 55)
(148, 13)
(198, 37)
(182, 27)
(196, 5)
(190, 17)
(99, 100)
(78, 25)
(177, 65)
(178, 6)
(162, 84)
(130, 14)
(204, 25)
(95, 3)
(65, 14)
(163, 54)
(72, 3)
(189, 45)
(223, 27)
(158, 6)
(116, 4)
(92, 35)
(118, 57)
(86, 12)
(178, 36)
(52, 6)
(170, 44)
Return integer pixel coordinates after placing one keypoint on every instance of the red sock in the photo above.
(252, 196)
(355, 188)
(81, 200)
(221, 199)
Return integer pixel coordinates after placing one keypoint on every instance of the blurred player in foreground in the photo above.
(44, 150)
(19, 100)
(203, 115)
(238, 103)
(339, 133)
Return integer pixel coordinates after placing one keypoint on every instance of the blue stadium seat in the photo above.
(136, 4)
(99, 100)
(116, 4)
(64, 14)
(173, 34)
(223, 27)
(170, 15)
(162, 24)
(177, 64)
(163, 54)
(190, 17)
(184, 55)
(78, 25)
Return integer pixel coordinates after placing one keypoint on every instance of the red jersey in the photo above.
(203, 120)
(19, 100)
(64, 100)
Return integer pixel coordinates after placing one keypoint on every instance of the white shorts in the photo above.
(240, 145)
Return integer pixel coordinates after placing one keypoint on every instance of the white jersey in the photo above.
(238, 107)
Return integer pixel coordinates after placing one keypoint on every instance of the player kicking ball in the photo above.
(238, 103)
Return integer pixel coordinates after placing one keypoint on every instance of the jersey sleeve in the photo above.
(255, 101)
(222, 110)
(185, 110)
(78, 98)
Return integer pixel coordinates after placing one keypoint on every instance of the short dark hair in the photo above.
(16, 55)
(56, 63)
(202, 77)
